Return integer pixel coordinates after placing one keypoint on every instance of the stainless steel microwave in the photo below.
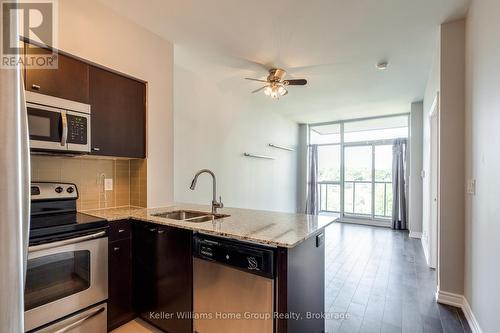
(57, 124)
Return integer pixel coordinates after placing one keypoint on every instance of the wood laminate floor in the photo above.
(380, 278)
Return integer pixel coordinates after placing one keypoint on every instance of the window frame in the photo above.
(370, 218)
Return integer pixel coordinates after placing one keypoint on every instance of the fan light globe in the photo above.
(267, 91)
(281, 90)
(275, 92)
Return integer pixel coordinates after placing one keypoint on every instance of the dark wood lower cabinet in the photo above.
(120, 309)
(120, 306)
(301, 285)
(163, 276)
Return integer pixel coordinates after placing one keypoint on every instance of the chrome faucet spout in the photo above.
(215, 204)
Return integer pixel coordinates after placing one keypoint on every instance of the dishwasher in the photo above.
(233, 286)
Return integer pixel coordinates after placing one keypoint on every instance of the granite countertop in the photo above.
(265, 227)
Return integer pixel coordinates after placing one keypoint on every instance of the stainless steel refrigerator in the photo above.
(14, 198)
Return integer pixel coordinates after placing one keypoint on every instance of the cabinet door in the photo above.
(120, 307)
(69, 81)
(163, 270)
(118, 115)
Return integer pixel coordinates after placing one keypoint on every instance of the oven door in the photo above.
(64, 277)
(48, 128)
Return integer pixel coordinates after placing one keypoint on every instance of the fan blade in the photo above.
(296, 82)
(259, 80)
(257, 90)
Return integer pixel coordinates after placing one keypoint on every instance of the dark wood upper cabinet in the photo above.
(69, 81)
(118, 111)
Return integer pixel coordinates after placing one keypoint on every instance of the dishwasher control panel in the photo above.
(251, 258)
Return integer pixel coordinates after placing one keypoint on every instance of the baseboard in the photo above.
(459, 301)
(452, 299)
(471, 319)
(415, 234)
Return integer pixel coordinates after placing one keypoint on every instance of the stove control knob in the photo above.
(70, 189)
(59, 189)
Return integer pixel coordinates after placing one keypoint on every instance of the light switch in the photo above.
(471, 186)
(108, 184)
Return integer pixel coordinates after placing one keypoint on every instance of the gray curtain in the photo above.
(312, 182)
(399, 220)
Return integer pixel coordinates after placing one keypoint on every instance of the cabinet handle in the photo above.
(35, 87)
(96, 149)
(121, 230)
(161, 231)
(116, 249)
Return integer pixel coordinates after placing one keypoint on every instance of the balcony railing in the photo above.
(359, 198)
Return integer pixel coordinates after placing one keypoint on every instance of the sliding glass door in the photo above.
(358, 180)
(368, 181)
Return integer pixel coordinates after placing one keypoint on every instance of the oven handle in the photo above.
(46, 246)
(64, 137)
(81, 320)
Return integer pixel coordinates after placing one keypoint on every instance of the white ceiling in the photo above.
(335, 44)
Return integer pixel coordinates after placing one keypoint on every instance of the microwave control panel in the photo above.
(77, 129)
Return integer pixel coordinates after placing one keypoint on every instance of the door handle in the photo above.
(35, 87)
(66, 242)
(64, 137)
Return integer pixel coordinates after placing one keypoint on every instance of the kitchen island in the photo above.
(167, 277)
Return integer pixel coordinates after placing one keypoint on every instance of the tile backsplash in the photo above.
(129, 179)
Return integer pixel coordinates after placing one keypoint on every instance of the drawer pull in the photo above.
(121, 230)
(96, 149)
(161, 231)
(116, 249)
(35, 87)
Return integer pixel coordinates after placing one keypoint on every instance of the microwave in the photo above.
(57, 125)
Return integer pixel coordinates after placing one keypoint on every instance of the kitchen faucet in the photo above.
(215, 204)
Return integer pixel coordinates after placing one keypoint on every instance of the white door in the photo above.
(434, 185)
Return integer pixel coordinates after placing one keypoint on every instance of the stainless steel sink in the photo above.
(190, 216)
(180, 214)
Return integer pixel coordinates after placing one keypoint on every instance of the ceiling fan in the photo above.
(275, 84)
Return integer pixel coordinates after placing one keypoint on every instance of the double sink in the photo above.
(190, 216)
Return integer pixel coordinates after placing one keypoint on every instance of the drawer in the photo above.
(119, 230)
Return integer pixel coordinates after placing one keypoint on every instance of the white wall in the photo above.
(415, 169)
(92, 31)
(448, 77)
(482, 271)
(451, 185)
(213, 127)
(302, 152)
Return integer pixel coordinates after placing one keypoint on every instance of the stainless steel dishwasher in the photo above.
(233, 286)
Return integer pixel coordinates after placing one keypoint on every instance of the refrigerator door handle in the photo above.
(26, 176)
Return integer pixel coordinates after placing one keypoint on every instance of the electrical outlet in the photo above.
(471, 186)
(108, 184)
